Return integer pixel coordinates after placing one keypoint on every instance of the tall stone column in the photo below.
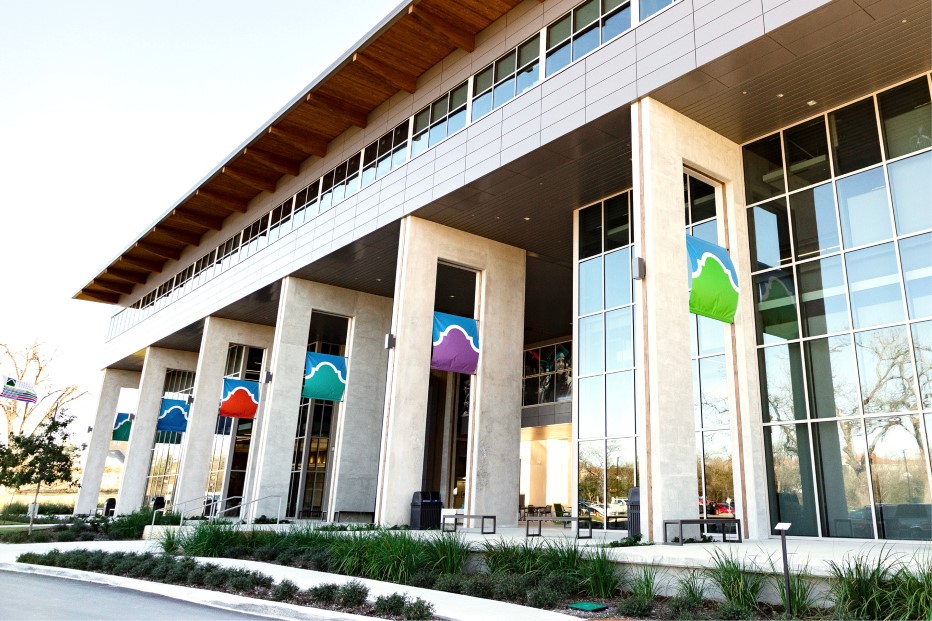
(208, 384)
(666, 143)
(142, 436)
(96, 454)
(354, 464)
(495, 417)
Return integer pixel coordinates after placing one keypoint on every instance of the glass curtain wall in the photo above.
(230, 449)
(841, 245)
(605, 361)
(548, 374)
(711, 399)
(166, 451)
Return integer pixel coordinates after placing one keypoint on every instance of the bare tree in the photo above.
(31, 364)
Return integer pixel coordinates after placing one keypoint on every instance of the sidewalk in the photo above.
(446, 605)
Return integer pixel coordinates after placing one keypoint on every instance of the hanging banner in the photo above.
(713, 282)
(239, 399)
(18, 390)
(121, 427)
(324, 377)
(173, 415)
(456, 344)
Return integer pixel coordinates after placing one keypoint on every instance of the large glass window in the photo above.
(548, 372)
(857, 371)
(506, 78)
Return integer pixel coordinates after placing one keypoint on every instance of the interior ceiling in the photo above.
(829, 56)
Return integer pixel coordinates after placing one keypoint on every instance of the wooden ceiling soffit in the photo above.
(439, 24)
(159, 250)
(118, 287)
(308, 143)
(195, 217)
(99, 296)
(392, 76)
(349, 113)
(138, 278)
(185, 237)
(150, 265)
(230, 203)
(250, 180)
(279, 164)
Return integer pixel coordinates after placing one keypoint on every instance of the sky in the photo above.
(110, 111)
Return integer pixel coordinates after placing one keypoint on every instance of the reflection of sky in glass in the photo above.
(781, 379)
(591, 407)
(619, 399)
(911, 186)
(875, 286)
(922, 345)
(862, 203)
(815, 229)
(824, 305)
(714, 392)
(915, 253)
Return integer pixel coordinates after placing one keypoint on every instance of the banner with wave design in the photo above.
(122, 425)
(239, 399)
(456, 344)
(713, 282)
(173, 415)
(324, 377)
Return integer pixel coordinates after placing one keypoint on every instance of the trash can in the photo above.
(634, 512)
(425, 510)
(158, 503)
(109, 507)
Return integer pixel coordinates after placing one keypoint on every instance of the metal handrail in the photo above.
(171, 508)
(278, 517)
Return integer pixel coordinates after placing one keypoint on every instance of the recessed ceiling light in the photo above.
(526, 218)
(378, 280)
(779, 95)
(903, 22)
(744, 92)
(811, 102)
(452, 296)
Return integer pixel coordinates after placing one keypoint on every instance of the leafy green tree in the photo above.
(44, 457)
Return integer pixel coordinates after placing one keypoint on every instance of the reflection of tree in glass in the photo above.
(786, 461)
(895, 449)
(922, 343)
(886, 370)
(591, 472)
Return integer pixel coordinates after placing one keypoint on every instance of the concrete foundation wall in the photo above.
(495, 417)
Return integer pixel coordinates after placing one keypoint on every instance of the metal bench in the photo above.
(701, 522)
(556, 518)
(456, 518)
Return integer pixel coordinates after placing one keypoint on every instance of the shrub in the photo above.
(563, 556)
(645, 582)
(558, 584)
(423, 578)
(446, 553)
(40, 537)
(635, 606)
(265, 553)
(912, 590)
(324, 593)
(602, 577)
(691, 589)
(285, 590)
(801, 588)
(418, 610)
(393, 557)
(451, 583)
(540, 597)
(129, 526)
(197, 576)
(510, 587)
(215, 578)
(212, 539)
(730, 611)
(478, 585)
(502, 556)
(393, 605)
(740, 585)
(287, 556)
(353, 594)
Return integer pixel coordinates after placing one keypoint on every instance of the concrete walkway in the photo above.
(446, 605)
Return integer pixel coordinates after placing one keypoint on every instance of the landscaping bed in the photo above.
(85, 528)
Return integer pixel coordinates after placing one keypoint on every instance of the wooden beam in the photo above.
(189, 239)
(127, 275)
(252, 181)
(391, 76)
(202, 219)
(147, 264)
(450, 31)
(277, 163)
(222, 200)
(159, 250)
(308, 143)
(349, 113)
(101, 296)
(119, 287)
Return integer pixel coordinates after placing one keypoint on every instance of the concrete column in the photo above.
(354, 463)
(665, 143)
(208, 384)
(142, 437)
(495, 417)
(96, 454)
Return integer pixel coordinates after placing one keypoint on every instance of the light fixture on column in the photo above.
(190, 399)
(638, 268)
(389, 341)
(268, 377)
(90, 429)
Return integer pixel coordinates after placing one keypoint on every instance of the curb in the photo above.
(214, 599)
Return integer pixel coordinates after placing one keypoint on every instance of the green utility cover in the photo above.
(588, 607)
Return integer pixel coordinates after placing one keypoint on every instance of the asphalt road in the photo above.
(29, 596)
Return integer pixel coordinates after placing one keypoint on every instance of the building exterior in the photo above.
(536, 167)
